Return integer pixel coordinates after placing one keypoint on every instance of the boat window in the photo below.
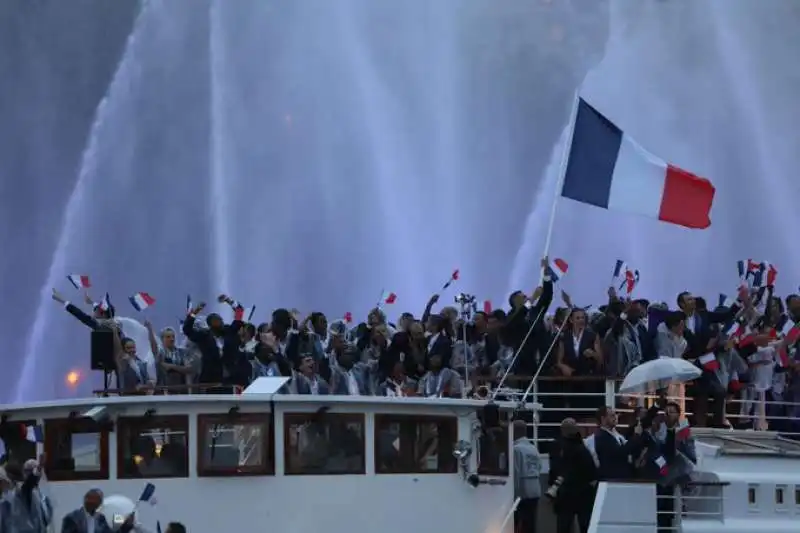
(752, 491)
(406, 444)
(779, 495)
(75, 449)
(324, 443)
(493, 449)
(14, 435)
(235, 445)
(152, 447)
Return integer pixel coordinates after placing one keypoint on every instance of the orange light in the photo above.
(73, 378)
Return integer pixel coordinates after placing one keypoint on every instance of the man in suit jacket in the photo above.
(217, 345)
(612, 449)
(88, 520)
(702, 339)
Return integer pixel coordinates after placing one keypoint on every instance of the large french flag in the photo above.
(608, 169)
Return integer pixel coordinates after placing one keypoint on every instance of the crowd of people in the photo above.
(743, 347)
(656, 447)
(26, 507)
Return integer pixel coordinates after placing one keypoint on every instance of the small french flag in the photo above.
(104, 304)
(557, 269)
(34, 433)
(241, 312)
(141, 301)
(79, 281)
(630, 282)
(709, 362)
(724, 301)
(453, 277)
(147, 493)
(661, 463)
(388, 298)
(619, 269)
(734, 385)
(770, 273)
(487, 307)
(790, 338)
(684, 430)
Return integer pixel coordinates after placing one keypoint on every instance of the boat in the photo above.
(288, 462)
(356, 463)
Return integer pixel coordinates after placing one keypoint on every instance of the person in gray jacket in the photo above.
(527, 469)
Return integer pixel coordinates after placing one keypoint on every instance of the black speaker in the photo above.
(102, 342)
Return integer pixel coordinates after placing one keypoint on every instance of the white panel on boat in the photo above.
(266, 385)
(751, 443)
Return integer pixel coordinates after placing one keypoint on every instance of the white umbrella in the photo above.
(658, 374)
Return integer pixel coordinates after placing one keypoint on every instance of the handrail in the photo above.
(169, 389)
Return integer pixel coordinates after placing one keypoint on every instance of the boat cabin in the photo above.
(292, 463)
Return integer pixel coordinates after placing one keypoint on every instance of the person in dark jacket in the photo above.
(573, 488)
(219, 346)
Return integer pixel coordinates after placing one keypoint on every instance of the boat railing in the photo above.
(579, 397)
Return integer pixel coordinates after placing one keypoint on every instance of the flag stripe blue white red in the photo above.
(34, 433)
(79, 281)
(388, 298)
(147, 493)
(608, 169)
(557, 269)
(141, 301)
(619, 269)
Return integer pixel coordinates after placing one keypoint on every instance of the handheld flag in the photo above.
(630, 282)
(141, 301)
(104, 305)
(487, 307)
(79, 281)
(34, 433)
(453, 277)
(147, 493)
(556, 270)
(619, 269)
(243, 313)
(608, 169)
(724, 301)
(684, 431)
(734, 385)
(709, 362)
(661, 463)
(388, 298)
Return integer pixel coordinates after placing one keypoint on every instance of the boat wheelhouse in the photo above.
(291, 463)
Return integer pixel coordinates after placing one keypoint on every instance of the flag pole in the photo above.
(562, 172)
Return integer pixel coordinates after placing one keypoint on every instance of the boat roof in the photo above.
(375, 402)
(744, 442)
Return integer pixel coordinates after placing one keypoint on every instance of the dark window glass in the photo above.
(152, 447)
(231, 445)
(324, 444)
(75, 449)
(493, 449)
(407, 444)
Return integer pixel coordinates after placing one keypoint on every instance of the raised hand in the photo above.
(566, 299)
(57, 297)
(198, 308)
(87, 299)
(545, 262)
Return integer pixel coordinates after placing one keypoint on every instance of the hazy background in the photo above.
(308, 153)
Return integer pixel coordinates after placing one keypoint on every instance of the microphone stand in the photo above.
(467, 307)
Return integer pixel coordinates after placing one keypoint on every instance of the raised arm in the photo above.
(75, 311)
(188, 324)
